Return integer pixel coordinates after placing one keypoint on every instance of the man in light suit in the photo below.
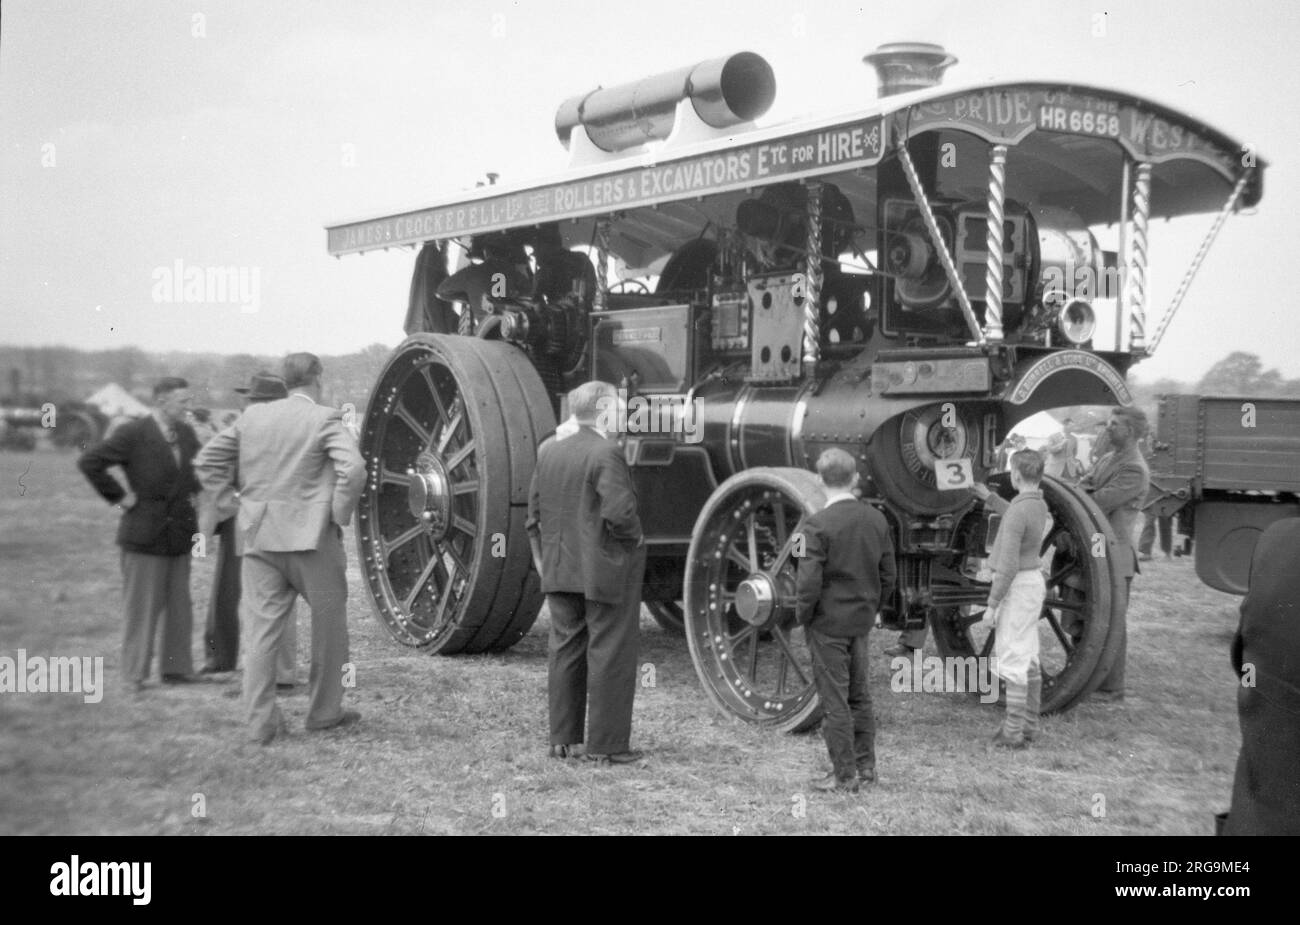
(1118, 483)
(300, 479)
(217, 517)
(587, 546)
(156, 533)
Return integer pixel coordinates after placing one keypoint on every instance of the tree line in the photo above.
(63, 374)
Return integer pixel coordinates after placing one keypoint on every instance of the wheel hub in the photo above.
(756, 600)
(429, 495)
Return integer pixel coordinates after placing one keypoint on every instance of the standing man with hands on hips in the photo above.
(156, 533)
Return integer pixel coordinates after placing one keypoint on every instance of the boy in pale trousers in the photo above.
(1016, 597)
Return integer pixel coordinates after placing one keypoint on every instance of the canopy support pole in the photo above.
(813, 279)
(1137, 280)
(1121, 259)
(996, 217)
(600, 300)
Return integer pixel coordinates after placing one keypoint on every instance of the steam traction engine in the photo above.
(905, 282)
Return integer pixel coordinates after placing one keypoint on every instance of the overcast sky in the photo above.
(227, 133)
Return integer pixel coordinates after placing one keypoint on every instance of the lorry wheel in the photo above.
(1074, 629)
(450, 441)
(739, 603)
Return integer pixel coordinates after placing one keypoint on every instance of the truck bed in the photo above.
(1209, 441)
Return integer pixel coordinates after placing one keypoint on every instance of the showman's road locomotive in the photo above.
(906, 282)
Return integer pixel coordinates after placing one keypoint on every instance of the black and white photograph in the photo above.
(651, 418)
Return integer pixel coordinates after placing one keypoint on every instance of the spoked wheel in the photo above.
(740, 598)
(668, 614)
(1074, 636)
(450, 441)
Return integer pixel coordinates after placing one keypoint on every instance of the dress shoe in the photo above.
(213, 669)
(1144, 557)
(1013, 742)
(180, 679)
(866, 775)
(566, 751)
(898, 650)
(631, 756)
(346, 718)
(832, 784)
(285, 688)
(1107, 696)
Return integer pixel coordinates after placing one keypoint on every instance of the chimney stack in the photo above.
(906, 66)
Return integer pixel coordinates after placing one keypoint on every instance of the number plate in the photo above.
(953, 474)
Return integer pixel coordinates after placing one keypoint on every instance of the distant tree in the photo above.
(1240, 373)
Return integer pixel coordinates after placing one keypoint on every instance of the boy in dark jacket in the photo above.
(846, 571)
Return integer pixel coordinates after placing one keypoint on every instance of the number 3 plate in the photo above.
(952, 474)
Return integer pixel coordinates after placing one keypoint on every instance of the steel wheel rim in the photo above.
(420, 612)
(761, 672)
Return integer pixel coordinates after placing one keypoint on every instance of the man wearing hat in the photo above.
(217, 513)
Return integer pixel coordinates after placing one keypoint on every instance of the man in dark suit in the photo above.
(1118, 483)
(300, 477)
(846, 570)
(217, 518)
(588, 547)
(1266, 657)
(157, 529)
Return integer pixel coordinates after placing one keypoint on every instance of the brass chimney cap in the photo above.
(906, 66)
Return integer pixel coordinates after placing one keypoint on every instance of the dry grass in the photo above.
(446, 741)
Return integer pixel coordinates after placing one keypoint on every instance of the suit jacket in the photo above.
(582, 508)
(1118, 483)
(847, 569)
(299, 470)
(163, 521)
(1266, 789)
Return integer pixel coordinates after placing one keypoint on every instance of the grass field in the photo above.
(458, 745)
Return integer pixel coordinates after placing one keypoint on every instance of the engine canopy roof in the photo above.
(1066, 145)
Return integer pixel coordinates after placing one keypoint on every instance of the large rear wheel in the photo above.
(450, 439)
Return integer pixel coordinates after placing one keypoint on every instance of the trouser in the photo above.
(1147, 539)
(591, 666)
(271, 582)
(1114, 681)
(154, 586)
(221, 634)
(848, 725)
